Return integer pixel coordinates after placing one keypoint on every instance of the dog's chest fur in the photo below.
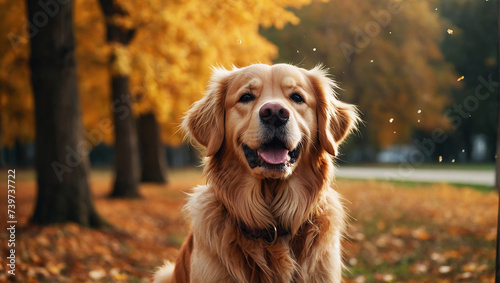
(240, 258)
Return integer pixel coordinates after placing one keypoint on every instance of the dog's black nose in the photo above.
(274, 114)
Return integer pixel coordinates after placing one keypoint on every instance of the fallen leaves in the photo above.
(444, 269)
(434, 233)
(139, 241)
(421, 234)
(97, 274)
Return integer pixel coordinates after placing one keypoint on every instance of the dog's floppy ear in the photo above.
(336, 119)
(204, 121)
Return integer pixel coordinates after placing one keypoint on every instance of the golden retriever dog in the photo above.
(268, 212)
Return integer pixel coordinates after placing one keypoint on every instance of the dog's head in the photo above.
(270, 117)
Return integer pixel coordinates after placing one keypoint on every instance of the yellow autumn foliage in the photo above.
(168, 60)
(16, 101)
(180, 41)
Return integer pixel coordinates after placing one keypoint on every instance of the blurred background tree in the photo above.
(119, 34)
(471, 48)
(386, 57)
(61, 157)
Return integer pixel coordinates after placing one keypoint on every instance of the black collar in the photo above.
(269, 235)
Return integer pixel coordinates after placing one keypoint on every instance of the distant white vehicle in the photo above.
(395, 154)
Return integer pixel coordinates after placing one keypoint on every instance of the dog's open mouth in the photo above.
(272, 155)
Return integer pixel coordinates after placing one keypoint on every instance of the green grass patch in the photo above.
(420, 184)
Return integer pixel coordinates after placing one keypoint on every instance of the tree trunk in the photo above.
(126, 145)
(61, 153)
(152, 152)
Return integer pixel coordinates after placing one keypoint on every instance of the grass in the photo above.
(431, 233)
(447, 165)
(419, 184)
(398, 232)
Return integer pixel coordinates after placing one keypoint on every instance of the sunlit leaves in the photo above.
(16, 101)
(177, 42)
(121, 60)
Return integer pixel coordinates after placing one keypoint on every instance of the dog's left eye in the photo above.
(297, 98)
(246, 97)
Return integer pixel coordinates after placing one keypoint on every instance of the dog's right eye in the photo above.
(246, 97)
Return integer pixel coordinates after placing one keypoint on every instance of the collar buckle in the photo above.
(272, 235)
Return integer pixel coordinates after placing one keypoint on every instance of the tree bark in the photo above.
(126, 146)
(153, 163)
(61, 153)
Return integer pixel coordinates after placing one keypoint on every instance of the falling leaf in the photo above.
(391, 120)
(461, 78)
(440, 158)
(450, 31)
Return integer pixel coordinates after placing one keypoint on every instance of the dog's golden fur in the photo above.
(241, 199)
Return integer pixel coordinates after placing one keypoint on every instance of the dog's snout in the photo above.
(274, 114)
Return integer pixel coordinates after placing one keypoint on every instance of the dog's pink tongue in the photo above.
(274, 155)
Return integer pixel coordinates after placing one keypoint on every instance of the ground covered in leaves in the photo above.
(397, 233)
